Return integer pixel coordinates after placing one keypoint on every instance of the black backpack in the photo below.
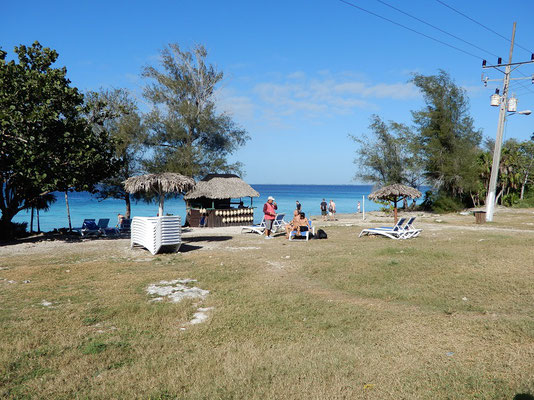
(321, 234)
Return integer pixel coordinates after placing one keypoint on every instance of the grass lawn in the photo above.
(448, 315)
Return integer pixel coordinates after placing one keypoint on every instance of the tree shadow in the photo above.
(195, 239)
(186, 248)
(523, 396)
(187, 245)
(68, 237)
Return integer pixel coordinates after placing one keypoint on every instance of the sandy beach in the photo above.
(429, 222)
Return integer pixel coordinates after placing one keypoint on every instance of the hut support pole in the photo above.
(161, 199)
(395, 211)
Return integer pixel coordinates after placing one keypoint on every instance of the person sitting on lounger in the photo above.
(294, 222)
(300, 224)
(303, 224)
(120, 218)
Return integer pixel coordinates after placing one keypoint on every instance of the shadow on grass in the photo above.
(523, 396)
(187, 245)
(60, 236)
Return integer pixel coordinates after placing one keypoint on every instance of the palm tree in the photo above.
(41, 203)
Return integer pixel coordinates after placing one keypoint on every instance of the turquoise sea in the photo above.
(84, 205)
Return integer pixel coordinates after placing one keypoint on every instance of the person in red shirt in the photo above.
(269, 211)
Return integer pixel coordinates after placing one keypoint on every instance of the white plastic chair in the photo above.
(155, 233)
(258, 228)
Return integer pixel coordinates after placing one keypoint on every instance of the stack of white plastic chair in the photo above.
(155, 233)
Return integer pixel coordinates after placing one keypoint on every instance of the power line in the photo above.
(482, 25)
(412, 30)
(439, 29)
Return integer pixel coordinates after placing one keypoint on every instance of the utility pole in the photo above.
(490, 200)
(503, 110)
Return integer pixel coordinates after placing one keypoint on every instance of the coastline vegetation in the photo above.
(443, 149)
(55, 138)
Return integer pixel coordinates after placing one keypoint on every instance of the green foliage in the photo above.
(46, 138)
(389, 156)
(448, 140)
(526, 202)
(385, 206)
(445, 204)
(428, 202)
(186, 133)
(120, 119)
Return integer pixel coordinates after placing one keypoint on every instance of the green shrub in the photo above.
(527, 202)
(445, 204)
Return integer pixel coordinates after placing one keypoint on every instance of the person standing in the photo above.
(324, 208)
(269, 213)
(298, 206)
(332, 209)
(359, 207)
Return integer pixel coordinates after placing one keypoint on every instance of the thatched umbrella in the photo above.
(161, 184)
(395, 193)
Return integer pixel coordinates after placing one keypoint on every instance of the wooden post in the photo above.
(395, 212)
(161, 200)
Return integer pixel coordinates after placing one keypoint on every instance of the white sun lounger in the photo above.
(279, 224)
(156, 233)
(396, 232)
(411, 231)
(257, 228)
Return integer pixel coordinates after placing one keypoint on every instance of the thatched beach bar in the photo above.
(216, 201)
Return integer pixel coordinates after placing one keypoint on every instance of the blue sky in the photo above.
(300, 76)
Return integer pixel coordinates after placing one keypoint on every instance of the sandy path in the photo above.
(427, 221)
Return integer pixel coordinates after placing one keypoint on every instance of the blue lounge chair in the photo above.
(90, 228)
(125, 226)
(305, 234)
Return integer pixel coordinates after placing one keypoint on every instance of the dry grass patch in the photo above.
(447, 315)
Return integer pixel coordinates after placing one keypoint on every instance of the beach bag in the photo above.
(321, 234)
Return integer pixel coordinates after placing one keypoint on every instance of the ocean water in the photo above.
(84, 205)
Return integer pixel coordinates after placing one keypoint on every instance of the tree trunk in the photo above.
(128, 206)
(68, 209)
(31, 220)
(6, 229)
(523, 187)
(499, 196)
(161, 200)
(38, 222)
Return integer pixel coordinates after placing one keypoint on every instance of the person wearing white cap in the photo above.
(269, 211)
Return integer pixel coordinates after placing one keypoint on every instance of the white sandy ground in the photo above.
(120, 248)
(177, 290)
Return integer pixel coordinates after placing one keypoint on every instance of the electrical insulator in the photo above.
(495, 99)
